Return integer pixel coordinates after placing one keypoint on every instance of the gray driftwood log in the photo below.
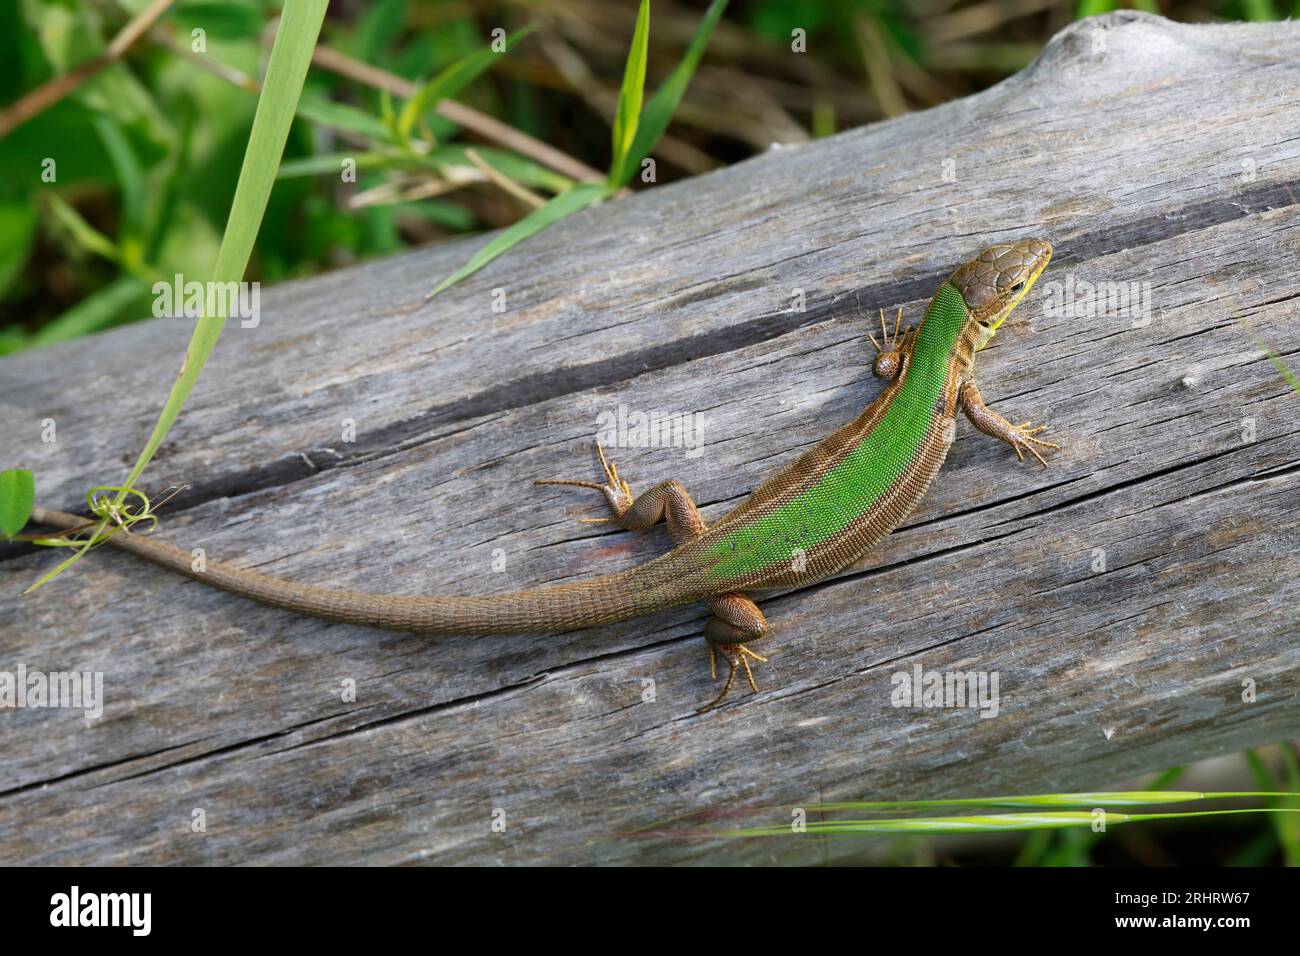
(1149, 152)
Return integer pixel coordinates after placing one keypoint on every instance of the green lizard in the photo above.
(813, 518)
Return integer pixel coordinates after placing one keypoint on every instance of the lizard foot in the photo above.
(614, 488)
(737, 656)
(889, 351)
(1024, 438)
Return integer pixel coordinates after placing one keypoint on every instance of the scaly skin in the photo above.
(810, 520)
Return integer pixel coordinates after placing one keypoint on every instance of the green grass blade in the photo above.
(331, 164)
(989, 823)
(17, 495)
(1286, 373)
(1090, 8)
(451, 81)
(451, 155)
(96, 311)
(1259, 10)
(658, 113)
(565, 204)
(630, 96)
(86, 235)
(1103, 798)
(129, 174)
(18, 217)
(127, 254)
(503, 161)
(295, 38)
(1258, 771)
(1287, 827)
(1166, 778)
(340, 116)
(287, 68)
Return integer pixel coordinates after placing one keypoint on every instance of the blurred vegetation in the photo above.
(1223, 841)
(147, 149)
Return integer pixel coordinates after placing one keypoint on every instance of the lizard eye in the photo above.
(1018, 286)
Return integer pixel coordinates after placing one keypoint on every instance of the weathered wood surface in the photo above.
(1147, 151)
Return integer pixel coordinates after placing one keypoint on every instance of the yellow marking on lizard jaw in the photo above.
(1011, 306)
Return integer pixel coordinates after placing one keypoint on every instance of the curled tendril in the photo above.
(111, 516)
(134, 509)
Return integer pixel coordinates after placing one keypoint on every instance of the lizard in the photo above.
(811, 519)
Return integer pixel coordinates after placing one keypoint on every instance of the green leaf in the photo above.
(17, 229)
(96, 311)
(451, 81)
(67, 35)
(629, 97)
(331, 164)
(448, 215)
(377, 30)
(72, 34)
(441, 159)
(344, 117)
(503, 161)
(17, 494)
(388, 117)
(129, 175)
(1090, 8)
(128, 254)
(565, 204)
(659, 111)
(86, 235)
(1258, 10)
(13, 338)
(1288, 827)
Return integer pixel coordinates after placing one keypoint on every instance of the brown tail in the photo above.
(602, 600)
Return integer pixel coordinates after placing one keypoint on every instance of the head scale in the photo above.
(994, 282)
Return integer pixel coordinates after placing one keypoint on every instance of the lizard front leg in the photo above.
(891, 353)
(736, 619)
(991, 423)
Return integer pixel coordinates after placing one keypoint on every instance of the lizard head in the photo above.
(994, 282)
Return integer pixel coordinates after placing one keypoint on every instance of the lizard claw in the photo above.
(737, 656)
(615, 489)
(1025, 439)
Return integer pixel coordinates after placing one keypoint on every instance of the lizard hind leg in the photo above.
(667, 501)
(736, 622)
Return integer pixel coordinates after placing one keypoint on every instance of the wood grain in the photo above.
(1148, 152)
